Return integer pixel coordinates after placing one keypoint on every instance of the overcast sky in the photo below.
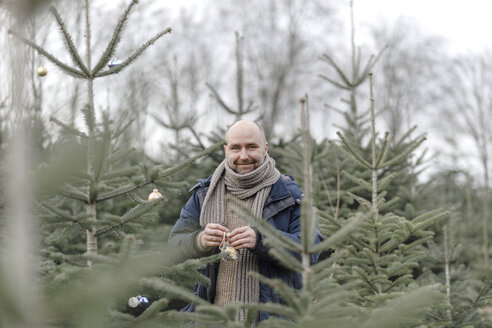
(466, 24)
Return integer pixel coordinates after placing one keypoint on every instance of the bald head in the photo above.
(245, 147)
(246, 126)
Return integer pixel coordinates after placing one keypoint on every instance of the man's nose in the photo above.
(244, 153)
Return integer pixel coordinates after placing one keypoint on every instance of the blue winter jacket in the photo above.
(282, 210)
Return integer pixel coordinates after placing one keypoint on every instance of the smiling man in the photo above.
(248, 174)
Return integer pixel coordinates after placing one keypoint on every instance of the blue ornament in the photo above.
(114, 62)
(143, 302)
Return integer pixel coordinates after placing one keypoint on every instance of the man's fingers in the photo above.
(238, 231)
(243, 243)
(216, 226)
(241, 233)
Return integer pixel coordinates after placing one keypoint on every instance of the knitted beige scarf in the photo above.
(257, 183)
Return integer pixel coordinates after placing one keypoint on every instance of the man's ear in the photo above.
(225, 147)
(266, 147)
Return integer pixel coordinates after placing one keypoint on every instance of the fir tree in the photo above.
(452, 254)
(387, 248)
(78, 195)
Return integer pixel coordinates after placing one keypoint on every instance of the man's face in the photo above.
(246, 147)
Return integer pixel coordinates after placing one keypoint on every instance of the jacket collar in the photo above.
(279, 191)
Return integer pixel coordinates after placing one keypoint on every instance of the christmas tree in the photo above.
(78, 192)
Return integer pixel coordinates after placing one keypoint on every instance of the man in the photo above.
(248, 174)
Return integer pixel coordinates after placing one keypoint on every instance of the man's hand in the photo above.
(243, 237)
(213, 234)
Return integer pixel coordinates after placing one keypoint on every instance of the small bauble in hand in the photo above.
(230, 253)
(42, 71)
(155, 194)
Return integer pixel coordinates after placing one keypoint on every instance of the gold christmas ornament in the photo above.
(155, 194)
(42, 71)
(230, 253)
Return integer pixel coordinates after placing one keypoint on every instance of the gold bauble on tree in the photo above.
(42, 71)
(155, 194)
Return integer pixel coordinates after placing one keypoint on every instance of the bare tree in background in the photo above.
(467, 110)
(178, 83)
(406, 72)
(277, 51)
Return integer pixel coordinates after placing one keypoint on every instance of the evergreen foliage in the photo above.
(388, 258)
(77, 195)
(387, 247)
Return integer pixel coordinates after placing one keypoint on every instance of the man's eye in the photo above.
(252, 147)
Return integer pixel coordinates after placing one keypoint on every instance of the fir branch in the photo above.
(119, 154)
(288, 294)
(320, 268)
(169, 171)
(285, 258)
(73, 193)
(330, 60)
(98, 258)
(126, 172)
(129, 216)
(356, 62)
(387, 204)
(404, 154)
(418, 242)
(370, 64)
(135, 55)
(173, 184)
(213, 310)
(125, 250)
(61, 214)
(365, 278)
(239, 73)
(168, 287)
(364, 184)
(475, 302)
(276, 237)
(308, 220)
(121, 128)
(430, 221)
(384, 182)
(341, 234)
(115, 39)
(329, 299)
(426, 215)
(355, 154)
(384, 150)
(277, 308)
(338, 85)
(69, 41)
(220, 100)
(188, 269)
(405, 136)
(68, 69)
(120, 191)
(406, 309)
(188, 317)
(89, 117)
(68, 129)
(363, 202)
(102, 149)
(152, 310)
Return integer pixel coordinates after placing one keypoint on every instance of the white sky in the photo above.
(467, 24)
